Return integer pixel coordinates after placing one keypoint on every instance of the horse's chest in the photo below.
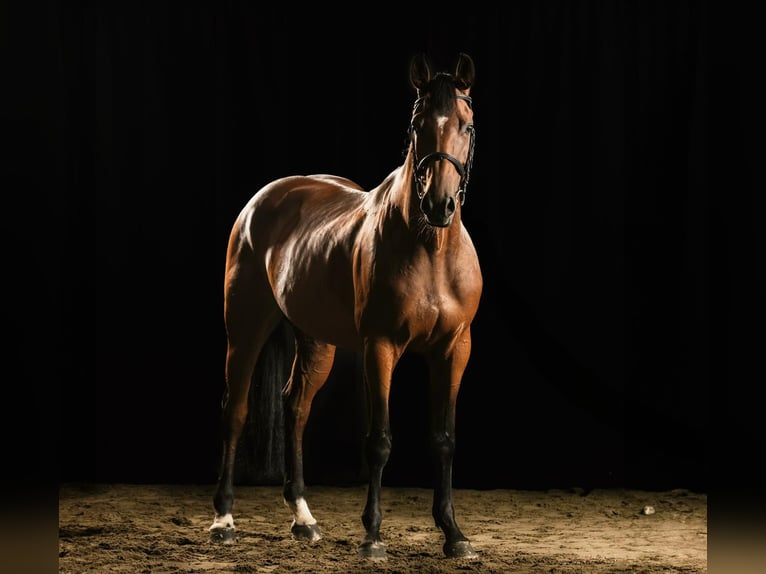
(431, 313)
(424, 305)
(422, 297)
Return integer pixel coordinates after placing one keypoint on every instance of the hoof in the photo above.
(372, 550)
(223, 535)
(308, 532)
(460, 549)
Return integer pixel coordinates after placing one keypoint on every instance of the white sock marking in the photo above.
(225, 521)
(301, 512)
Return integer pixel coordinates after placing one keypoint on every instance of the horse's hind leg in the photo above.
(311, 367)
(251, 315)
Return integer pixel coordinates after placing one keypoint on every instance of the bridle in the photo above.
(419, 167)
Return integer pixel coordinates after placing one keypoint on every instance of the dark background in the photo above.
(611, 203)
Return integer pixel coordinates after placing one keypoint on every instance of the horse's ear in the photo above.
(464, 71)
(420, 72)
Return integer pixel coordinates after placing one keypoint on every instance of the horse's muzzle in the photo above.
(437, 204)
(438, 213)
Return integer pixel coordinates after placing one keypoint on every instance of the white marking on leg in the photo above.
(225, 521)
(301, 512)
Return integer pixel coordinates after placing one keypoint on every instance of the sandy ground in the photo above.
(163, 529)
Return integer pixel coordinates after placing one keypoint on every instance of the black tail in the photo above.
(261, 451)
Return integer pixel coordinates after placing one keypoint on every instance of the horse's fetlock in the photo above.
(292, 491)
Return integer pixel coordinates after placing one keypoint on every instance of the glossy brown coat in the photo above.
(381, 272)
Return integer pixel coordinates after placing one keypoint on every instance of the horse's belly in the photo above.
(314, 290)
(322, 317)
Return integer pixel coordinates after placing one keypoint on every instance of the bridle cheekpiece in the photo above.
(419, 166)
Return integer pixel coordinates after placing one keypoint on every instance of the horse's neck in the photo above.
(403, 196)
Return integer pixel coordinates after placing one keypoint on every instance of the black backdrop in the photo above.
(615, 269)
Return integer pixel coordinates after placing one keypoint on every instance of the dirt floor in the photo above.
(163, 529)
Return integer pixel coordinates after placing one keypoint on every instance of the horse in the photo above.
(379, 272)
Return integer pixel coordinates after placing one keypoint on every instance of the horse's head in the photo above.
(442, 137)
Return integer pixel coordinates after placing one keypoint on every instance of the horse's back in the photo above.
(286, 205)
(310, 190)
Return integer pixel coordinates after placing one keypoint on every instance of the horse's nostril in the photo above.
(449, 208)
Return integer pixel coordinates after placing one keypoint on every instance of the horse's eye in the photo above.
(469, 129)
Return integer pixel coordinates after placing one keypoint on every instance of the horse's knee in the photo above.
(443, 445)
(378, 447)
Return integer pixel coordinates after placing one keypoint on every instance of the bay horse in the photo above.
(379, 272)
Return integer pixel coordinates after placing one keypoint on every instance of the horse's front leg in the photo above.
(313, 361)
(446, 372)
(379, 360)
